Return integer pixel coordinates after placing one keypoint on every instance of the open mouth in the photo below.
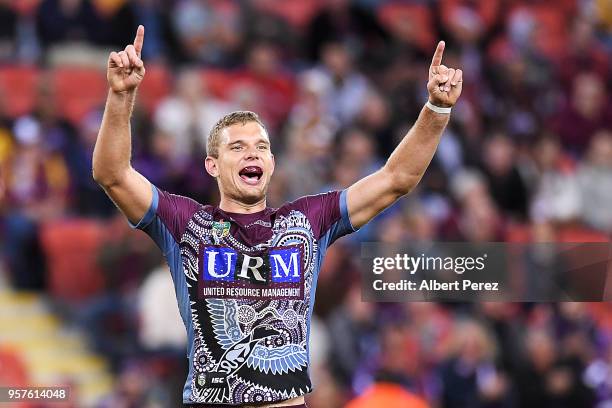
(251, 174)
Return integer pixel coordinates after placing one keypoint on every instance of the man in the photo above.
(245, 274)
(391, 379)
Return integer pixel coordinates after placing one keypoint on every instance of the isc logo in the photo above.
(276, 265)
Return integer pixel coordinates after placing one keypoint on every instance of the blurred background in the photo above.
(527, 157)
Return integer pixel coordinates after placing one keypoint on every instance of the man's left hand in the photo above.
(445, 83)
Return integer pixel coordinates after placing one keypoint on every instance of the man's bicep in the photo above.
(370, 196)
(133, 195)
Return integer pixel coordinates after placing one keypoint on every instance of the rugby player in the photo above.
(245, 274)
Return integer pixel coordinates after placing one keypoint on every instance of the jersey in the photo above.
(245, 286)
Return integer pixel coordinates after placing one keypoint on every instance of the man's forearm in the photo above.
(129, 190)
(412, 156)
(111, 157)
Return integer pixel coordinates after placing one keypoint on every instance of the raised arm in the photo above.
(128, 189)
(408, 162)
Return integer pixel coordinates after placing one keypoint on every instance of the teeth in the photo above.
(251, 170)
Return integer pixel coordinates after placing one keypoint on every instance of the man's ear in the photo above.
(211, 166)
(273, 165)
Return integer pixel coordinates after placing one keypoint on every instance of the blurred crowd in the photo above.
(338, 84)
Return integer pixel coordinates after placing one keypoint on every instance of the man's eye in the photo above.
(236, 148)
(262, 147)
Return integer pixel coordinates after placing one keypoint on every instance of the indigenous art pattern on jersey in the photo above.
(250, 336)
(245, 286)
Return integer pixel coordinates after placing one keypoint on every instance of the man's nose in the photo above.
(252, 153)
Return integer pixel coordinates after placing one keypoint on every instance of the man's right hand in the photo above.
(125, 68)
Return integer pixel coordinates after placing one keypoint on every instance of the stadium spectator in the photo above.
(470, 375)
(160, 326)
(354, 327)
(188, 114)
(585, 112)
(8, 31)
(347, 23)
(505, 181)
(547, 379)
(595, 182)
(390, 387)
(61, 21)
(555, 194)
(347, 89)
(37, 181)
(208, 32)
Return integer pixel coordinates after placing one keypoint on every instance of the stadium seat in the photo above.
(13, 372)
(518, 233)
(487, 11)
(71, 248)
(602, 314)
(298, 13)
(26, 7)
(581, 234)
(155, 87)
(395, 16)
(218, 82)
(522, 233)
(18, 89)
(12, 369)
(79, 91)
(551, 28)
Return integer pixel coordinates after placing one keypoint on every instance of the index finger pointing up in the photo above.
(437, 58)
(139, 40)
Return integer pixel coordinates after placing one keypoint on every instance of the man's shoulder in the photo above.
(177, 202)
(322, 210)
(311, 201)
(176, 210)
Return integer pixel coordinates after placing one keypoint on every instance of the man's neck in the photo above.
(235, 206)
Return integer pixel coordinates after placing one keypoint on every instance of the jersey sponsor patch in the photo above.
(276, 273)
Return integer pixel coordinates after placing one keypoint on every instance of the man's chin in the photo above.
(251, 195)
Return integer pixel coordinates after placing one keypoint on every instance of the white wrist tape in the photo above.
(438, 109)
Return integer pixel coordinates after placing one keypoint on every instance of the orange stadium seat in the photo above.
(551, 30)
(581, 234)
(13, 372)
(518, 233)
(486, 10)
(18, 89)
(521, 233)
(12, 369)
(415, 17)
(218, 82)
(26, 7)
(79, 91)
(71, 248)
(602, 314)
(298, 13)
(155, 87)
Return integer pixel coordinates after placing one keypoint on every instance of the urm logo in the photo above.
(285, 264)
(224, 264)
(219, 263)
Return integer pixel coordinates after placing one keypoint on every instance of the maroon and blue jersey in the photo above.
(245, 285)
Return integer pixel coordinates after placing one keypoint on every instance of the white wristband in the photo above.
(438, 109)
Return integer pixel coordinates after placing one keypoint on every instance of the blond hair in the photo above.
(238, 117)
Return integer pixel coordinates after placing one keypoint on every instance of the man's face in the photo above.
(244, 164)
